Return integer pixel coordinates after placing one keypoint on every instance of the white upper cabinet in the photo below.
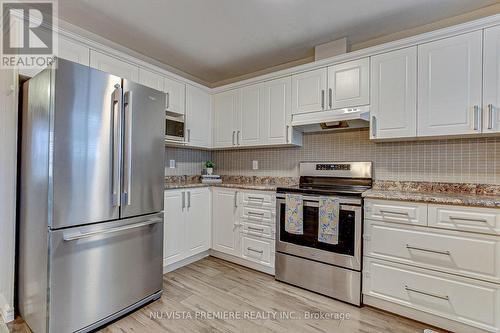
(175, 95)
(277, 117)
(449, 85)
(339, 86)
(73, 51)
(491, 80)
(115, 66)
(249, 131)
(255, 115)
(198, 117)
(68, 50)
(226, 112)
(394, 94)
(349, 84)
(151, 79)
(309, 91)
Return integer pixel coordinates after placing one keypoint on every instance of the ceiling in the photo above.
(216, 40)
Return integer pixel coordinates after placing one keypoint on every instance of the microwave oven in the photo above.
(174, 127)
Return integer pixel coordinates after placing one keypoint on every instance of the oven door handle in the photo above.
(309, 203)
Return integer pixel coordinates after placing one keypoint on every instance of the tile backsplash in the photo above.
(465, 160)
(188, 161)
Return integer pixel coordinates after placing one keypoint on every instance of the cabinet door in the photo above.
(151, 79)
(226, 109)
(198, 117)
(174, 227)
(308, 91)
(225, 226)
(249, 131)
(115, 66)
(491, 80)
(277, 109)
(73, 51)
(176, 96)
(198, 221)
(394, 94)
(349, 84)
(449, 85)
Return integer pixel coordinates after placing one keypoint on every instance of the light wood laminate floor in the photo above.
(216, 287)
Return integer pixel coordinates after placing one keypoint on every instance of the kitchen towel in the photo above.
(328, 230)
(294, 221)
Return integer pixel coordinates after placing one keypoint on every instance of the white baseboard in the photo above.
(420, 316)
(6, 310)
(184, 262)
(242, 262)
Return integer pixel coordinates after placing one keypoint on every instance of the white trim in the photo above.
(6, 311)
(67, 30)
(421, 316)
(370, 51)
(183, 262)
(242, 262)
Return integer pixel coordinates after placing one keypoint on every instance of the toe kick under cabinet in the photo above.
(438, 264)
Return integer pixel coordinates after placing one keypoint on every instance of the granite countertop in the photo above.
(477, 195)
(241, 182)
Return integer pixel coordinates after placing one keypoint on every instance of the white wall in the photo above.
(8, 156)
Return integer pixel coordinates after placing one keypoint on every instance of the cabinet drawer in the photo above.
(482, 220)
(471, 255)
(258, 229)
(395, 211)
(258, 250)
(259, 200)
(468, 301)
(256, 215)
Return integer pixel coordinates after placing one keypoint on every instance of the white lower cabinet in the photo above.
(244, 228)
(225, 227)
(187, 224)
(471, 302)
(431, 267)
(257, 249)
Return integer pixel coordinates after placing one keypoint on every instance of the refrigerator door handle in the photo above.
(127, 151)
(76, 236)
(116, 157)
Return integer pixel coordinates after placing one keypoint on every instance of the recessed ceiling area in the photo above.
(217, 40)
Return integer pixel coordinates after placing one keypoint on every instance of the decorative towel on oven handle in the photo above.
(294, 220)
(328, 228)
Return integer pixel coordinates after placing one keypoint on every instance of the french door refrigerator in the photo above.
(91, 198)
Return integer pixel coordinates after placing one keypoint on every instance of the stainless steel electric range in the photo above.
(301, 260)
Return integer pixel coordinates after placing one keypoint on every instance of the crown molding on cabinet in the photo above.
(458, 29)
(103, 45)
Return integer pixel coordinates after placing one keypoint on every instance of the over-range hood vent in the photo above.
(331, 120)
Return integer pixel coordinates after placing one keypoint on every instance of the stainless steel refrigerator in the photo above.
(91, 198)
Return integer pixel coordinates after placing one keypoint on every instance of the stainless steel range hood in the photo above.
(330, 120)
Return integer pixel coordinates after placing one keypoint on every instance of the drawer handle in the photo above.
(254, 250)
(255, 213)
(427, 250)
(255, 199)
(392, 212)
(467, 219)
(426, 293)
(256, 229)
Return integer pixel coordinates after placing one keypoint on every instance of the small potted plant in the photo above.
(209, 166)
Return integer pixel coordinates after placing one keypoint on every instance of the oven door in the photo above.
(347, 253)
